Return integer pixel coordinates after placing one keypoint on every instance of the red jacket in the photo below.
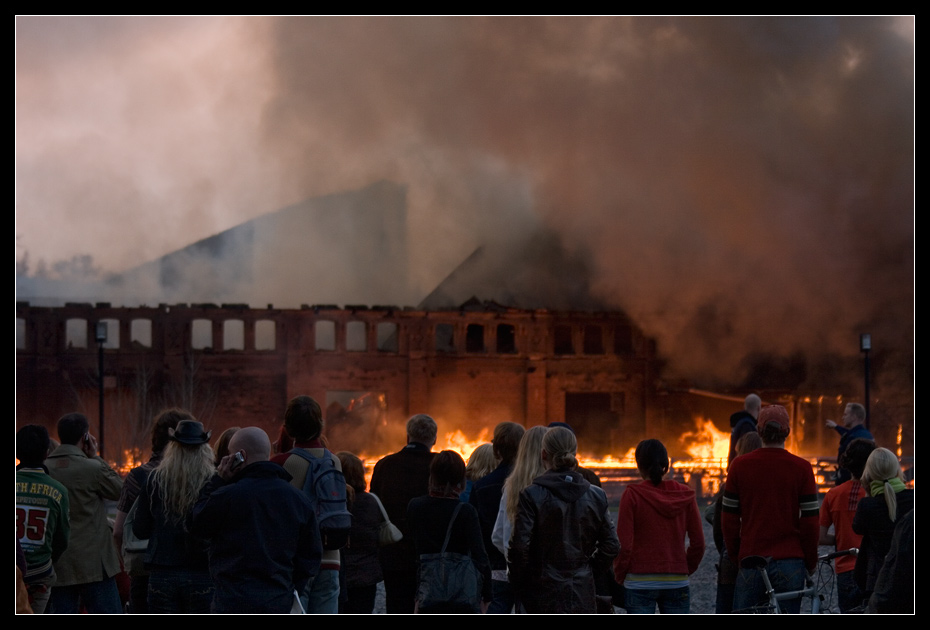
(651, 526)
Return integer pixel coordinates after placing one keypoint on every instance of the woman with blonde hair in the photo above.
(179, 580)
(562, 534)
(481, 462)
(527, 466)
(886, 503)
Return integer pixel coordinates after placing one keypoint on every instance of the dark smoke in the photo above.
(743, 187)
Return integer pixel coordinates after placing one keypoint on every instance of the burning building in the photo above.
(370, 367)
(552, 353)
(537, 347)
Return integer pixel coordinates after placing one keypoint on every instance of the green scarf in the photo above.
(878, 487)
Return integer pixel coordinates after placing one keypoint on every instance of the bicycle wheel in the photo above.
(756, 610)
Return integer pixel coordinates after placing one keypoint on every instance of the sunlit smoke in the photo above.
(743, 188)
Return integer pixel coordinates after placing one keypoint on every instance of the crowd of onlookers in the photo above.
(251, 526)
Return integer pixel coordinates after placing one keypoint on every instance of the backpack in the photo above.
(325, 486)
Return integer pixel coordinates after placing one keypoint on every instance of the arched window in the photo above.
(623, 340)
(445, 338)
(387, 337)
(76, 333)
(233, 334)
(563, 340)
(140, 332)
(474, 338)
(593, 342)
(264, 334)
(506, 339)
(325, 335)
(356, 337)
(201, 334)
(112, 342)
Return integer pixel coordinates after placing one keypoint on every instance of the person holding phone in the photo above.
(87, 570)
(264, 540)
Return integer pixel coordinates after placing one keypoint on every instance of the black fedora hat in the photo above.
(189, 432)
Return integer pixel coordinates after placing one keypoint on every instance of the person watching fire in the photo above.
(562, 534)
(303, 422)
(396, 480)
(770, 509)
(87, 570)
(486, 499)
(853, 428)
(264, 539)
(743, 422)
(838, 511)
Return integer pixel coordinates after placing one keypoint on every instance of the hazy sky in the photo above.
(734, 183)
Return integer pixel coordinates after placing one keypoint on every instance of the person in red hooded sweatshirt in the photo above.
(654, 565)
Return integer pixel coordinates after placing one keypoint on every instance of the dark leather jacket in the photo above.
(170, 544)
(561, 536)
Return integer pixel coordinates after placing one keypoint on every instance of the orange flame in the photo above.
(628, 460)
(132, 457)
(707, 443)
(709, 448)
(458, 442)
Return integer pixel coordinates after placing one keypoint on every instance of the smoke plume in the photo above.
(742, 187)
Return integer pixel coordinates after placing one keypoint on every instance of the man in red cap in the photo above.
(770, 509)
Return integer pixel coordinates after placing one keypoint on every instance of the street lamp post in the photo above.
(101, 335)
(865, 344)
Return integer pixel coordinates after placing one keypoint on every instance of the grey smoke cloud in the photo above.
(736, 185)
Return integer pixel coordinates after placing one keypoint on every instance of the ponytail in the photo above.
(652, 460)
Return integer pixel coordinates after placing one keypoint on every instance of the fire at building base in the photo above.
(372, 367)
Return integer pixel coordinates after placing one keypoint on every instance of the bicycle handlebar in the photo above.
(838, 554)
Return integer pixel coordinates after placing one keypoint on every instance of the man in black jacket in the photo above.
(396, 480)
(264, 538)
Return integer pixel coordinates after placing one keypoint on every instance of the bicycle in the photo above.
(818, 587)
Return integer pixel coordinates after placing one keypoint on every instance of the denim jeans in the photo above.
(502, 598)
(847, 591)
(321, 596)
(785, 575)
(176, 590)
(99, 598)
(671, 601)
(40, 590)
